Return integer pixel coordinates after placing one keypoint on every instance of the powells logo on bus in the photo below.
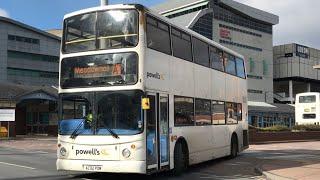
(155, 75)
(92, 151)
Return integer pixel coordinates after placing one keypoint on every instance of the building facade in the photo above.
(29, 71)
(265, 115)
(239, 27)
(294, 71)
(28, 56)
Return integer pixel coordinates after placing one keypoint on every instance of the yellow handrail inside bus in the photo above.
(103, 37)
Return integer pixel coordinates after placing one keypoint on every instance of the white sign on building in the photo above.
(7, 114)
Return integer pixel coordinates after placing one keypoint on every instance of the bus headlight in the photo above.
(63, 151)
(126, 153)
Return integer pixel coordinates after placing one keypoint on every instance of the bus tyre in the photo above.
(179, 160)
(234, 147)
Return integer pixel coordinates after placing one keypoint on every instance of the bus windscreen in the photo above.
(109, 29)
(307, 99)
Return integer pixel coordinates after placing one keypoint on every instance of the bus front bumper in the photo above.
(138, 167)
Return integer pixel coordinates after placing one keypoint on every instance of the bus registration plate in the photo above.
(87, 167)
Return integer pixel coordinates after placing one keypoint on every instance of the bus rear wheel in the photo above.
(180, 160)
(234, 147)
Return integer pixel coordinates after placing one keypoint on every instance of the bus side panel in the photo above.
(157, 70)
(243, 99)
(171, 130)
(243, 124)
(232, 89)
(218, 85)
(203, 81)
(182, 77)
(219, 132)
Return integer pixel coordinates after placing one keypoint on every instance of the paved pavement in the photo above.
(300, 160)
(47, 144)
(31, 158)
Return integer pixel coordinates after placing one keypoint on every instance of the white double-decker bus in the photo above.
(139, 94)
(307, 108)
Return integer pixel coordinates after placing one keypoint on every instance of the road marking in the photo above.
(41, 152)
(16, 165)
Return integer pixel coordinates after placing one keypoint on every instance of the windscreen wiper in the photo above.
(113, 134)
(74, 133)
(121, 81)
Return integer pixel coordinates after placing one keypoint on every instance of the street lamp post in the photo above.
(104, 2)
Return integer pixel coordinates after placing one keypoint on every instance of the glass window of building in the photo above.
(252, 65)
(265, 67)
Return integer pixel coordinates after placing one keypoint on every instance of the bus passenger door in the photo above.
(151, 128)
(157, 132)
(164, 130)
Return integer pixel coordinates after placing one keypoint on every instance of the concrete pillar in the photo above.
(291, 91)
(308, 87)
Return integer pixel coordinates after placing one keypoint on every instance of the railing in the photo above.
(277, 96)
(283, 97)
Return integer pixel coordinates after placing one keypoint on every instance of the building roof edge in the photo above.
(252, 12)
(8, 20)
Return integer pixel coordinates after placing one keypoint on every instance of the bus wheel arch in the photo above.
(181, 156)
(234, 145)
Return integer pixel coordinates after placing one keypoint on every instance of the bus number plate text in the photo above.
(92, 167)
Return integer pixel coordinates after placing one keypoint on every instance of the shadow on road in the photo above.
(222, 168)
(242, 167)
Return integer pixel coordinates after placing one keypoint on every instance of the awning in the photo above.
(17, 92)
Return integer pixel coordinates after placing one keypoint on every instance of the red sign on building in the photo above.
(224, 33)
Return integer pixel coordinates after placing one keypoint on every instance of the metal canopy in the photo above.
(41, 95)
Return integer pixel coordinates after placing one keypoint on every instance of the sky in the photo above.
(48, 14)
(298, 19)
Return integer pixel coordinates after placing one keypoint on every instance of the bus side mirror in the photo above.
(145, 103)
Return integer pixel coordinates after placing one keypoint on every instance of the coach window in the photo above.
(239, 112)
(218, 113)
(203, 112)
(216, 59)
(240, 68)
(183, 111)
(230, 64)
(158, 36)
(231, 113)
(181, 44)
(200, 52)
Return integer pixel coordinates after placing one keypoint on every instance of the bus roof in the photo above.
(154, 13)
(308, 94)
(101, 8)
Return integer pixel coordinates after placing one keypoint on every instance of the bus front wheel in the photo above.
(180, 160)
